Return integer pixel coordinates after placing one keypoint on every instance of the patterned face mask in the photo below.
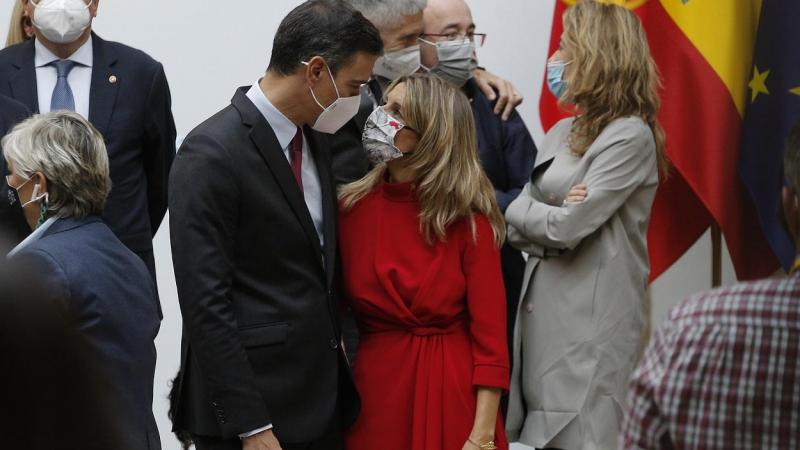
(378, 137)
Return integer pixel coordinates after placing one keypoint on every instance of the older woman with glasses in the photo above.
(59, 173)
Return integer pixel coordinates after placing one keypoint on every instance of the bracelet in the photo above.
(487, 446)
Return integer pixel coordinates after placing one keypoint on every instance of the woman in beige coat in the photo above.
(583, 220)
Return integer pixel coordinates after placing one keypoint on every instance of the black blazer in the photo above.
(133, 112)
(256, 289)
(12, 229)
(108, 294)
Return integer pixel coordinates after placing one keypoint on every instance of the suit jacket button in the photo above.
(334, 344)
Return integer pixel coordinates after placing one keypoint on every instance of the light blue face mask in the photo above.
(555, 77)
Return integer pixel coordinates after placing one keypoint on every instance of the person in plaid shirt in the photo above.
(723, 372)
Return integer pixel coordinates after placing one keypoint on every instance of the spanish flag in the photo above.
(704, 51)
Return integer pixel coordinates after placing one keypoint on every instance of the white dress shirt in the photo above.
(79, 79)
(285, 130)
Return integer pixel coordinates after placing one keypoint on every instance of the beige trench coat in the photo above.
(578, 330)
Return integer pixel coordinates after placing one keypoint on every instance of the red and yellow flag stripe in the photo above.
(704, 51)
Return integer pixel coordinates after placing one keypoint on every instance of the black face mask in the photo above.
(12, 196)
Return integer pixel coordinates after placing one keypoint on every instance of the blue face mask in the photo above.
(555, 77)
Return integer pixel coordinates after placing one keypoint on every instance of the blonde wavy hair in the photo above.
(450, 182)
(613, 74)
(19, 26)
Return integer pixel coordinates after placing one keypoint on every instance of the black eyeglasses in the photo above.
(478, 38)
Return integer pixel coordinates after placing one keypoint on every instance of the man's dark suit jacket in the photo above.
(13, 230)
(108, 294)
(130, 104)
(256, 289)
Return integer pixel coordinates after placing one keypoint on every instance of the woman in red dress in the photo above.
(420, 238)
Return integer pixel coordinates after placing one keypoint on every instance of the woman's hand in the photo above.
(486, 411)
(577, 194)
(479, 441)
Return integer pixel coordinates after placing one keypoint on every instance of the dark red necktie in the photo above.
(297, 157)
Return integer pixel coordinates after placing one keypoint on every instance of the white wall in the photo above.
(209, 48)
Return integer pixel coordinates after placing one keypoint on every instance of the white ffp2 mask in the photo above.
(62, 21)
(337, 113)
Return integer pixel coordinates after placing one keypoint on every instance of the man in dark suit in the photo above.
(253, 228)
(11, 230)
(121, 90)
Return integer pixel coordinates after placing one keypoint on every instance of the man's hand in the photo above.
(508, 97)
(265, 440)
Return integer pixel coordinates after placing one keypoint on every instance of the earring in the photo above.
(43, 212)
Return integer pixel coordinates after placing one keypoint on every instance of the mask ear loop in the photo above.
(425, 41)
(330, 74)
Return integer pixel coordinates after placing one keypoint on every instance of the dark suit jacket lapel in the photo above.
(264, 139)
(329, 202)
(103, 93)
(23, 83)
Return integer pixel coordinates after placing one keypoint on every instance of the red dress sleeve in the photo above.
(486, 306)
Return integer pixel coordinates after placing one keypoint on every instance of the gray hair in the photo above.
(70, 153)
(388, 13)
(791, 159)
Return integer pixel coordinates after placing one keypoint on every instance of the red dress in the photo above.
(432, 322)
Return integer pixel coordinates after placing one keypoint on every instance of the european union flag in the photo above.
(774, 106)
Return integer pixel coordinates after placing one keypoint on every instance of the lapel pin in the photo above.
(112, 79)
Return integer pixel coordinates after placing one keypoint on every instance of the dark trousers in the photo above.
(331, 442)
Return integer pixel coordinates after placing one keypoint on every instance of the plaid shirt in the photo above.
(722, 373)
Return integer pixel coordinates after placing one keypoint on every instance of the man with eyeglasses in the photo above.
(439, 36)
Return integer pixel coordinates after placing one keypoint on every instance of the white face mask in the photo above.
(61, 21)
(337, 113)
(378, 138)
(455, 60)
(393, 65)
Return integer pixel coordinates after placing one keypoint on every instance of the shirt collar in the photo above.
(284, 128)
(83, 55)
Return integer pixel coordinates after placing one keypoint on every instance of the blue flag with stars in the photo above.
(773, 107)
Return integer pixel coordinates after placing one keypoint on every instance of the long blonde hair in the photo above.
(17, 33)
(613, 74)
(449, 180)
